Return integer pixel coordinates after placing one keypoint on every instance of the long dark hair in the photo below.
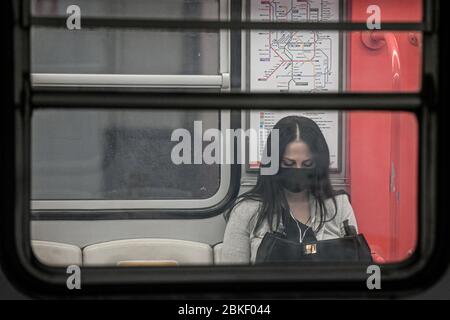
(268, 189)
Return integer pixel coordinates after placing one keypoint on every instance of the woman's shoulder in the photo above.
(342, 198)
(244, 212)
(246, 205)
(340, 202)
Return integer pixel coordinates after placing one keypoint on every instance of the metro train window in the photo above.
(112, 155)
(90, 160)
(106, 51)
(96, 155)
(339, 112)
(123, 160)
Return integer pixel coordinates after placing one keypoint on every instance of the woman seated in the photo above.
(298, 201)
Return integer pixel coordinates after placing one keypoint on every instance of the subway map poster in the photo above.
(294, 61)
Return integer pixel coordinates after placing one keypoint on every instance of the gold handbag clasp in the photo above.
(310, 248)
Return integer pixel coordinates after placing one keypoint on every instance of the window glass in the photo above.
(167, 9)
(120, 155)
(59, 50)
(124, 52)
(324, 61)
(126, 155)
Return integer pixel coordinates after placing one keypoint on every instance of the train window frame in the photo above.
(156, 208)
(302, 280)
(61, 206)
(220, 81)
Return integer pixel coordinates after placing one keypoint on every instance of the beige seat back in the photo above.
(123, 252)
(56, 254)
(218, 253)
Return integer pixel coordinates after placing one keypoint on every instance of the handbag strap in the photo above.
(350, 231)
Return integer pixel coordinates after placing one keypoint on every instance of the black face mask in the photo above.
(296, 179)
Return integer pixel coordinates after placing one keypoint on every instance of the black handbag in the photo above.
(353, 247)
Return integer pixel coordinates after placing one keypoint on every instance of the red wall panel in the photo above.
(383, 146)
(369, 177)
